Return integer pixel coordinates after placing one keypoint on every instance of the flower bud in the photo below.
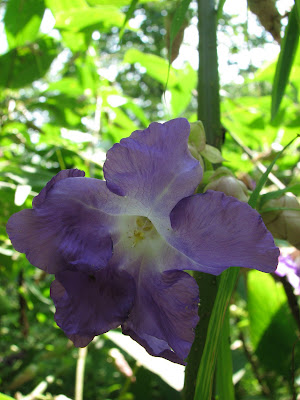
(230, 186)
(197, 136)
(283, 224)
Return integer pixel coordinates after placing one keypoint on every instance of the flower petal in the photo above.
(64, 230)
(89, 305)
(165, 314)
(217, 231)
(66, 173)
(154, 168)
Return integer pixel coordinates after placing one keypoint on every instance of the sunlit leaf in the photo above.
(78, 19)
(156, 67)
(22, 21)
(5, 397)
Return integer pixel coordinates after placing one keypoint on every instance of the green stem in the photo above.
(79, 382)
(208, 77)
(209, 114)
(208, 289)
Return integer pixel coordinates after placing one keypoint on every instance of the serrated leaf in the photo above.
(285, 61)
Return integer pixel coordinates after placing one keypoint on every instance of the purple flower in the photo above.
(119, 247)
(289, 266)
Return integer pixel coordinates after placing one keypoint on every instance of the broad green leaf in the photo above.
(21, 66)
(182, 93)
(156, 66)
(265, 297)
(22, 21)
(285, 61)
(57, 6)
(224, 371)
(78, 19)
(68, 86)
(272, 328)
(117, 3)
(75, 41)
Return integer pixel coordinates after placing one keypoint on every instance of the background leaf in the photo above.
(285, 61)
(22, 21)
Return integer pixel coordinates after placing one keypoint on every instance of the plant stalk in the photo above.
(209, 114)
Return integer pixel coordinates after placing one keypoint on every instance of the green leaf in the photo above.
(57, 6)
(78, 19)
(178, 20)
(224, 384)
(117, 3)
(295, 189)
(220, 9)
(128, 16)
(5, 397)
(182, 93)
(22, 21)
(255, 194)
(156, 66)
(297, 5)
(272, 327)
(23, 65)
(206, 370)
(285, 61)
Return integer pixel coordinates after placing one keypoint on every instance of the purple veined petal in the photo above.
(217, 231)
(91, 304)
(165, 313)
(66, 173)
(153, 168)
(65, 229)
(290, 267)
